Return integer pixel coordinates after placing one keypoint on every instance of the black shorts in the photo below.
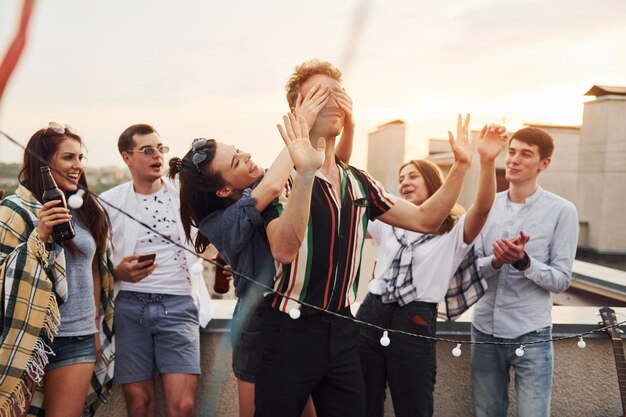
(245, 332)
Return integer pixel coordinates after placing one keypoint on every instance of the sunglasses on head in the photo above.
(198, 153)
(60, 129)
(150, 150)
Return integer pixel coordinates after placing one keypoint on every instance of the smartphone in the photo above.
(146, 257)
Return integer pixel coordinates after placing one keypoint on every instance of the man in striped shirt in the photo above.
(320, 258)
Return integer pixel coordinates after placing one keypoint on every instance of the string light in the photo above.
(385, 340)
(77, 199)
(456, 352)
(198, 267)
(294, 313)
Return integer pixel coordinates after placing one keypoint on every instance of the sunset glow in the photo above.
(218, 69)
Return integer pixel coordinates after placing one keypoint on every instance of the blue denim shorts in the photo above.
(71, 350)
(155, 332)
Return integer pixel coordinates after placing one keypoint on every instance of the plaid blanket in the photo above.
(33, 283)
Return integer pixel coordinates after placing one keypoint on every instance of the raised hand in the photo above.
(462, 146)
(296, 136)
(491, 140)
(314, 101)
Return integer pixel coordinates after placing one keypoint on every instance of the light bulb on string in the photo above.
(385, 341)
(581, 343)
(456, 352)
(294, 313)
(197, 268)
(76, 201)
(520, 351)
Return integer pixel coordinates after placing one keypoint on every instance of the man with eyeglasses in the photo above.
(160, 304)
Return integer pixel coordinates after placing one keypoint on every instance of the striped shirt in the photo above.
(325, 272)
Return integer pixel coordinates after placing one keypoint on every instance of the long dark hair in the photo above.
(197, 190)
(433, 178)
(44, 143)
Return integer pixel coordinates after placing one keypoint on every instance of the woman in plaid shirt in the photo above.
(412, 275)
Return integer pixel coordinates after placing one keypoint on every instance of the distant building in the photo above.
(438, 146)
(385, 153)
(587, 168)
(601, 172)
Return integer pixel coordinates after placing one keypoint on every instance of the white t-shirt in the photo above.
(434, 261)
(171, 275)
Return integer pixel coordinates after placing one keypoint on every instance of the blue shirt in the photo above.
(238, 233)
(518, 302)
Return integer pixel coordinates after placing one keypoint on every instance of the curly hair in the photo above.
(305, 71)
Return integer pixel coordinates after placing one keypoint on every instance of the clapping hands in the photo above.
(507, 251)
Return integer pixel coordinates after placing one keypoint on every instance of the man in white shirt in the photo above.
(526, 251)
(160, 305)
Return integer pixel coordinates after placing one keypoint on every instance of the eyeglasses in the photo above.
(198, 155)
(60, 129)
(150, 150)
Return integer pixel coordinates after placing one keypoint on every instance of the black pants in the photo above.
(314, 355)
(408, 363)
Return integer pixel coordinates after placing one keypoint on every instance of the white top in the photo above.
(435, 260)
(125, 232)
(171, 275)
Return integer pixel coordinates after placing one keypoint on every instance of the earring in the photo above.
(223, 194)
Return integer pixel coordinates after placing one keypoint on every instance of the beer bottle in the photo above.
(222, 283)
(63, 231)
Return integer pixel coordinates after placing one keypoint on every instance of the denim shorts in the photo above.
(71, 350)
(245, 333)
(155, 332)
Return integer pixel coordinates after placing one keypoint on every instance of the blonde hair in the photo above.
(433, 178)
(305, 71)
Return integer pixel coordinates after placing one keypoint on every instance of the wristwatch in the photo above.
(523, 263)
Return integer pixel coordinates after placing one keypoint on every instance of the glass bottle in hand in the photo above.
(222, 283)
(63, 231)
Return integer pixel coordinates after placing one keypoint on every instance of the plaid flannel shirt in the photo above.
(466, 287)
(32, 278)
(399, 277)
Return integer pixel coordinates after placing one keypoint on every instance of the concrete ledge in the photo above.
(585, 380)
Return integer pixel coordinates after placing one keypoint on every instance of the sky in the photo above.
(203, 68)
